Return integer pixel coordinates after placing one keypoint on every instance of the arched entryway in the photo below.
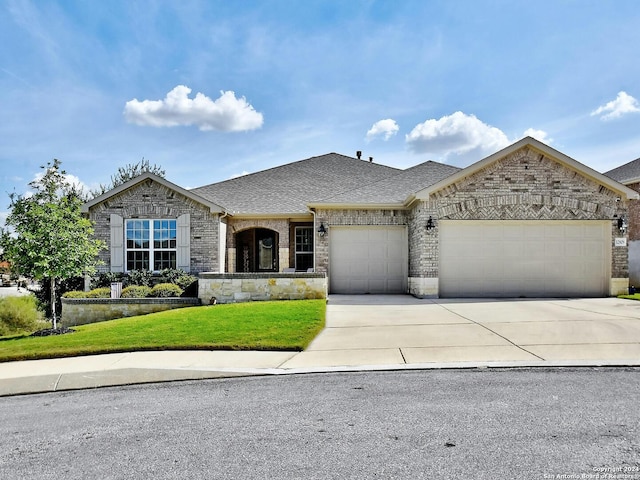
(257, 250)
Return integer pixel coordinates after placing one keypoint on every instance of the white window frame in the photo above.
(152, 249)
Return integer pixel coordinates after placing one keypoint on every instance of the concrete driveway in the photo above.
(399, 329)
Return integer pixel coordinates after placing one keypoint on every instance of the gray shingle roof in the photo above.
(290, 188)
(396, 189)
(626, 172)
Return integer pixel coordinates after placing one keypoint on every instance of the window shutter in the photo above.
(117, 243)
(183, 234)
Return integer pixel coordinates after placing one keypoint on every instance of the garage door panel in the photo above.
(524, 258)
(380, 254)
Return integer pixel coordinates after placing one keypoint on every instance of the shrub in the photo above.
(166, 290)
(105, 279)
(136, 291)
(75, 294)
(102, 292)
(20, 314)
(179, 277)
(140, 277)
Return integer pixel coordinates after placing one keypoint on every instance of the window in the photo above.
(304, 248)
(151, 244)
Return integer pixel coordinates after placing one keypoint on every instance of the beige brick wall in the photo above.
(151, 200)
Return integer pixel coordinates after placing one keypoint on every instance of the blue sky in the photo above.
(212, 89)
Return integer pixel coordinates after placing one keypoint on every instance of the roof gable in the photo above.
(214, 208)
(536, 145)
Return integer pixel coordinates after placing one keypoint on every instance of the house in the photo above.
(629, 175)
(526, 221)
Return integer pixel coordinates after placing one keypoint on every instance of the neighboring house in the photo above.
(526, 221)
(629, 175)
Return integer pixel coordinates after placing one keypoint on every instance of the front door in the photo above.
(266, 246)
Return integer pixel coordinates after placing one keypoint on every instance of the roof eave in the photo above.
(246, 215)
(360, 206)
(630, 181)
(214, 208)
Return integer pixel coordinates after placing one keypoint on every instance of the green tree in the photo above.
(49, 237)
(126, 173)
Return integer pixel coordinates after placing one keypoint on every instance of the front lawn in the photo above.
(283, 325)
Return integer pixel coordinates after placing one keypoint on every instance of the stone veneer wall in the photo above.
(152, 200)
(246, 287)
(80, 311)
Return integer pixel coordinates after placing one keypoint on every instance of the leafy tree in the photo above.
(126, 173)
(50, 237)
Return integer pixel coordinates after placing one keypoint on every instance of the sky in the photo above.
(213, 89)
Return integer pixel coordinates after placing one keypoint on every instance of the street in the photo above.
(467, 424)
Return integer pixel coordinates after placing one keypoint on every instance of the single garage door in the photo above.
(368, 260)
(524, 258)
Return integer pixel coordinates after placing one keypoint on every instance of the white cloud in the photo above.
(226, 114)
(70, 179)
(623, 104)
(383, 128)
(538, 135)
(456, 134)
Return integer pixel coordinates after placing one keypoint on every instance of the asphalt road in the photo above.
(470, 424)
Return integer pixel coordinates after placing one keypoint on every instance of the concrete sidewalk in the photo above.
(372, 332)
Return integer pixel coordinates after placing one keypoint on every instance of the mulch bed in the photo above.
(52, 331)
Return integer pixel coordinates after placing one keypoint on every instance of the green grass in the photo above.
(283, 325)
(635, 296)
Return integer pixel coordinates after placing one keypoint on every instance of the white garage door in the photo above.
(524, 258)
(368, 260)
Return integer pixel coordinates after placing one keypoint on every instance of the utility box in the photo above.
(116, 289)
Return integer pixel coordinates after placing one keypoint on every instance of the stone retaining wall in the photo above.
(247, 287)
(80, 311)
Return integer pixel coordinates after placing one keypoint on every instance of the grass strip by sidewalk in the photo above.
(281, 325)
(635, 296)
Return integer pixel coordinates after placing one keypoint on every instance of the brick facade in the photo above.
(152, 200)
(525, 184)
(528, 185)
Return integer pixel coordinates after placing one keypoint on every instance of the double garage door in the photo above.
(368, 260)
(492, 258)
(524, 258)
